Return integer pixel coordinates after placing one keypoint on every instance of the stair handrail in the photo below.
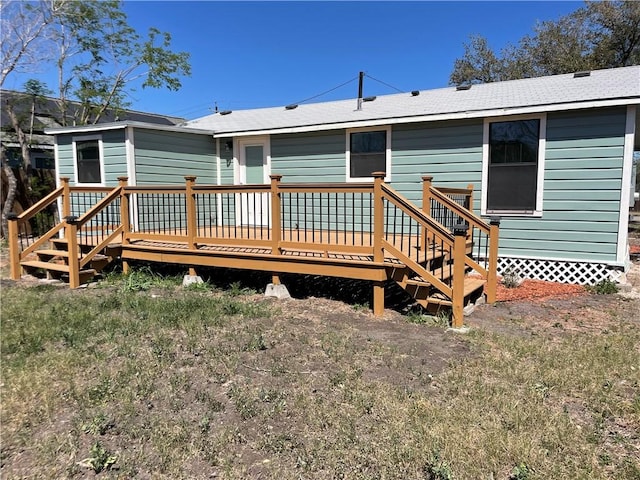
(491, 229)
(443, 234)
(39, 205)
(75, 223)
(467, 214)
(15, 220)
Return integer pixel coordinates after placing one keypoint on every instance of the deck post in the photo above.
(14, 245)
(192, 226)
(459, 254)
(71, 234)
(426, 208)
(191, 212)
(66, 197)
(378, 236)
(470, 197)
(470, 205)
(276, 221)
(492, 274)
(124, 218)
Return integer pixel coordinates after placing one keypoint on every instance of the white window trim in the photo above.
(349, 178)
(542, 144)
(83, 138)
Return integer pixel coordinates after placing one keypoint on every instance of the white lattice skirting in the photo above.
(558, 271)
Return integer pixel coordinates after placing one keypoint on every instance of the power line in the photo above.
(328, 91)
(383, 83)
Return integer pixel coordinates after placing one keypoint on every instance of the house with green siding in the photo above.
(551, 156)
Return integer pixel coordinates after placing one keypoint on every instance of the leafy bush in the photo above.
(604, 287)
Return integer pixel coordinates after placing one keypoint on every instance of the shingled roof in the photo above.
(618, 86)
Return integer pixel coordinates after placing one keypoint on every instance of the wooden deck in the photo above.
(359, 231)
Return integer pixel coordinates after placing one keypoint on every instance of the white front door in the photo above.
(253, 160)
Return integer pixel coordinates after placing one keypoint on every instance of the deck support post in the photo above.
(66, 197)
(378, 235)
(192, 227)
(71, 234)
(459, 255)
(492, 274)
(276, 222)
(14, 246)
(124, 218)
(427, 181)
(378, 298)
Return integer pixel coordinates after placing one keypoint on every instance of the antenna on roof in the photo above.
(360, 84)
(215, 108)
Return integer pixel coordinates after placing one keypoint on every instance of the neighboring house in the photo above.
(44, 115)
(551, 156)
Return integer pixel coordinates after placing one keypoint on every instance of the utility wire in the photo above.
(383, 83)
(328, 91)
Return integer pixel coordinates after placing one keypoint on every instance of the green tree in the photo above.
(599, 35)
(99, 59)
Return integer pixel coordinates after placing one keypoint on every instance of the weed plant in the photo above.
(603, 287)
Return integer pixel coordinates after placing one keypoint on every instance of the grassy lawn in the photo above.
(142, 378)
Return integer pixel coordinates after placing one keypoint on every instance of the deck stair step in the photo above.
(57, 270)
(37, 264)
(51, 253)
(472, 286)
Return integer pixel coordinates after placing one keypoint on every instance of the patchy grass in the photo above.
(144, 378)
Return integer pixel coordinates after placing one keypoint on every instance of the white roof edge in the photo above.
(124, 124)
(498, 112)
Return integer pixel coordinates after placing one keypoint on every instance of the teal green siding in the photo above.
(165, 158)
(65, 157)
(582, 178)
(450, 152)
(581, 197)
(114, 155)
(226, 161)
(309, 157)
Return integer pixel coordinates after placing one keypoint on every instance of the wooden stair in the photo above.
(54, 261)
(440, 266)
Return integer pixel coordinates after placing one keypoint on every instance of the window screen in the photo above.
(513, 165)
(368, 153)
(88, 156)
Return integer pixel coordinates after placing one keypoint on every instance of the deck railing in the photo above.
(370, 221)
(38, 225)
(454, 208)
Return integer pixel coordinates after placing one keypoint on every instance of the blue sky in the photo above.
(259, 54)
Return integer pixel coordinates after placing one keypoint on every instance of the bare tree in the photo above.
(98, 56)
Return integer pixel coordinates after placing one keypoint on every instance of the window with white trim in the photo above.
(88, 160)
(513, 163)
(368, 151)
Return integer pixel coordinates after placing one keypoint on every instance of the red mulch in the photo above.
(537, 290)
(634, 249)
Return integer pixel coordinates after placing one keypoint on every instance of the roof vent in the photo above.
(291, 107)
(415, 93)
(584, 73)
(369, 99)
(225, 112)
(463, 87)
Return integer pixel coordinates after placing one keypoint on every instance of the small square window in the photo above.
(512, 184)
(88, 161)
(367, 153)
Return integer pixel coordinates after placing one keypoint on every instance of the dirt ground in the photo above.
(390, 349)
